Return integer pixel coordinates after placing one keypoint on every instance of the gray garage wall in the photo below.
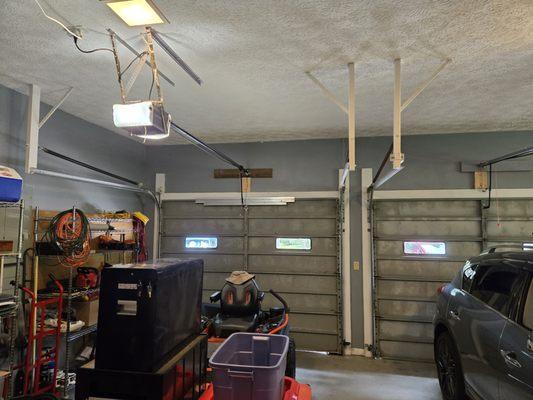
(432, 162)
(78, 139)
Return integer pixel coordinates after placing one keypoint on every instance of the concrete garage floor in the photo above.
(358, 378)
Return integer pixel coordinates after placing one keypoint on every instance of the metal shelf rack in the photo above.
(70, 293)
(74, 295)
(81, 333)
(9, 311)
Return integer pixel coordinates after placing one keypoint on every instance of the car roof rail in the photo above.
(493, 249)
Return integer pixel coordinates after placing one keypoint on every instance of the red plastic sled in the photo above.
(293, 391)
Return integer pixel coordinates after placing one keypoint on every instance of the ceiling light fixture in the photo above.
(137, 12)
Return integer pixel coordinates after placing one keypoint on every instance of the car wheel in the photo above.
(449, 369)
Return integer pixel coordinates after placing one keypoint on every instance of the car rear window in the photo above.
(494, 285)
(527, 321)
(469, 270)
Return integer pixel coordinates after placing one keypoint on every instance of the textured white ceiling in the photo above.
(252, 55)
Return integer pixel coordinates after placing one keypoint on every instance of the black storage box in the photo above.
(146, 311)
(183, 377)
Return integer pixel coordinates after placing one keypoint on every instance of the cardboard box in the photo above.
(87, 311)
(49, 264)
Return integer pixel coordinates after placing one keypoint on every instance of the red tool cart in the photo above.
(38, 331)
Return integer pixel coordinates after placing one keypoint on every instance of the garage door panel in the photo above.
(426, 208)
(403, 329)
(188, 227)
(509, 243)
(305, 209)
(310, 341)
(521, 209)
(456, 250)
(402, 308)
(305, 302)
(406, 285)
(298, 283)
(189, 209)
(223, 262)
(445, 270)
(432, 229)
(293, 227)
(317, 323)
(296, 263)
(406, 351)
(246, 240)
(319, 246)
(518, 229)
(225, 244)
(399, 289)
(214, 280)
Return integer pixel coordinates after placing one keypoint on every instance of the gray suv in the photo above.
(483, 329)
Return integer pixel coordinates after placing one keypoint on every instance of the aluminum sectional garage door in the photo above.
(406, 285)
(308, 279)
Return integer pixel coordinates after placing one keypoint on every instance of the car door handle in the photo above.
(455, 315)
(510, 358)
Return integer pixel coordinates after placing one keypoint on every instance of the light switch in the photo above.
(356, 265)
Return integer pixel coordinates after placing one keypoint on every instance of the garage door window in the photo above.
(424, 248)
(201, 242)
(293, 243)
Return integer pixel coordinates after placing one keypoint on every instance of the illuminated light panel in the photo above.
(199, 243)
(293, 243)
(424, 248)
(137, 12)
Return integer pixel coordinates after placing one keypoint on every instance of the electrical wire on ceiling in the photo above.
(90, 51)
(57, 21)
(75, 36)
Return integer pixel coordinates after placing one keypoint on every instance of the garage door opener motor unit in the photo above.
(146, 311)
(143, 119)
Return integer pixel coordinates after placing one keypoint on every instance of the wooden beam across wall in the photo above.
(234, 173)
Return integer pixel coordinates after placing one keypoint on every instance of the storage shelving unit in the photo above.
(8, 312)
(70, 292)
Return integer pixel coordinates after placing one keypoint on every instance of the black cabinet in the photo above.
(146, 311)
